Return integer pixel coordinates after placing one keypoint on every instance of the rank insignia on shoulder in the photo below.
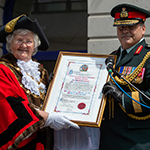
(115, 51)
(139, 49)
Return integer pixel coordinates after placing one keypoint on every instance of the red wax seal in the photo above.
(81, 105)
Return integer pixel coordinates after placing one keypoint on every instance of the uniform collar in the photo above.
(130, 53)
(129, 49)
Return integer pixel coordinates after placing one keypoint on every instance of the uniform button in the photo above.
(103, 119)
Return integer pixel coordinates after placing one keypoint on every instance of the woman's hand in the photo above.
(57, 121)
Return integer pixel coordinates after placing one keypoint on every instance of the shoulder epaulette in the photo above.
(148, 46)
(114, 52)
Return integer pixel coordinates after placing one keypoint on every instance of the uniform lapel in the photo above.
(129, 55)
(126, 58)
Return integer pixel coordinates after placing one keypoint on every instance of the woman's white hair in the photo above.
(10, 37)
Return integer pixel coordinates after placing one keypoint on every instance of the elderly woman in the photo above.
(23, 84)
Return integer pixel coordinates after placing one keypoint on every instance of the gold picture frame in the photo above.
(76, 88)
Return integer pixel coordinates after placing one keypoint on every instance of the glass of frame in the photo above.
(76, 88)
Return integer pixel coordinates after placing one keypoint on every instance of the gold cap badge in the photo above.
(124, 13)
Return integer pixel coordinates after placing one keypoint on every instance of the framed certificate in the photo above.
(76, 88)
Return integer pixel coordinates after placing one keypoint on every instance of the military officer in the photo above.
(126, 123)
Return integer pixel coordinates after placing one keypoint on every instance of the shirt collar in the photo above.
(129, 49)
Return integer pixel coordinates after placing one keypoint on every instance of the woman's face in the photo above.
(22, 46)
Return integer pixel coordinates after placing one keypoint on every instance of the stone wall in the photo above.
(102, 37)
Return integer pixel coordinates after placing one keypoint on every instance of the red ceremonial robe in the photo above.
(17, 119)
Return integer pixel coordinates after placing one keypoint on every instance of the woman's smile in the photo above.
(22, 46)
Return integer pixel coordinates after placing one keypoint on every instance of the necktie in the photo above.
(124, 52)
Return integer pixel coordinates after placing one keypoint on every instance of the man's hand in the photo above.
(111, 89)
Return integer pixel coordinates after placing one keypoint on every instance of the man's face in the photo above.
(130, 35)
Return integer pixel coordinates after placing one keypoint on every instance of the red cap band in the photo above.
(132, 15)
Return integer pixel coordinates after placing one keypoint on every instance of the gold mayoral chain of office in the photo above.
(41, 87)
